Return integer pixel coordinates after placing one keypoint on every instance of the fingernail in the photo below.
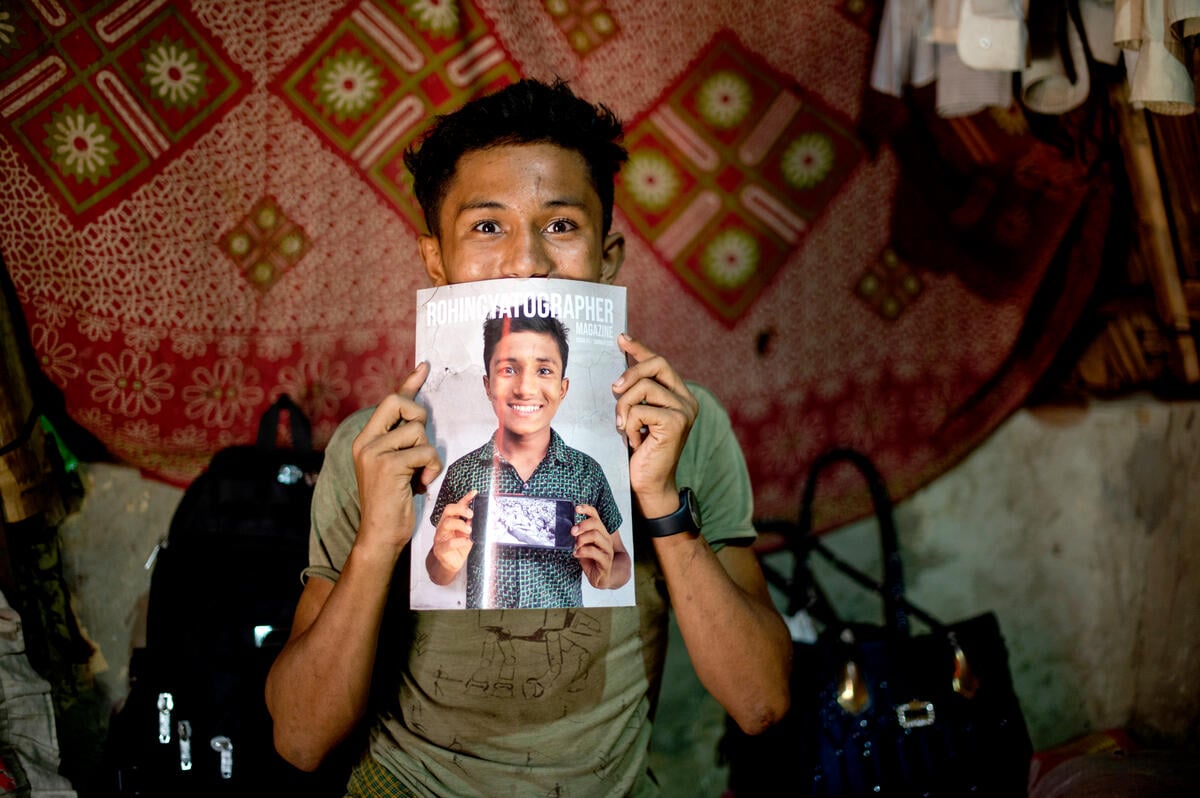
(625, 336)
(620, 381)
(620, 422)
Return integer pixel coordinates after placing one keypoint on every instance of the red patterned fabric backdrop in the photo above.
(203, 206)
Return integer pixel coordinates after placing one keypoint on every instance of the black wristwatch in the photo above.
(685, 519)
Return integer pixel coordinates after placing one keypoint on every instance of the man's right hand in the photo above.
(452, 541)
(391, 453)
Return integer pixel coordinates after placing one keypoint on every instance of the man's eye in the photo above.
(487, 227)
(560, 226)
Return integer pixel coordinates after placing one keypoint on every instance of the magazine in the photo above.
(528, 442)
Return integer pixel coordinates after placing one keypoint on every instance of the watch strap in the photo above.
(685, 519)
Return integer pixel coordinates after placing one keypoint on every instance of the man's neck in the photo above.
(524, 452)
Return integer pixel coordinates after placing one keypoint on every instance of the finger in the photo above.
(465, 503)
(451, 528)
(634, 348)
(595, 547)
(651, 391)
(646, 365)
(404, 447)
(664, 424)
(585, 528)
(460, 510)
(651, 417)
(591, 520)
(409, 434)
(419, 465)
(397, 423)
(400, 405)
(454, 531)
(633, 430)
(428, 471)
(393, 412)
(648, 393)
(385, 416)
(415, 379)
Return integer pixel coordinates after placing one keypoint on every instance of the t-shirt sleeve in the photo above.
(713, 466)
(335, 511)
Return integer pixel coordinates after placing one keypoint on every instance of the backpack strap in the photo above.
(301, 428)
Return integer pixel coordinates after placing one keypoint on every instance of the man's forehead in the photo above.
(540, 162)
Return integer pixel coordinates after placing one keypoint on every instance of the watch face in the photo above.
(693, 506)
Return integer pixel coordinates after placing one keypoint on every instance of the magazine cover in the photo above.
(532, 508)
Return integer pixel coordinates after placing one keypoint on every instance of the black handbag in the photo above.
(876, 709)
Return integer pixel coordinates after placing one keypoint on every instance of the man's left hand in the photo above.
(655, 411)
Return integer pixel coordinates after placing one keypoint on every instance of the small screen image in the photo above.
(507, 520)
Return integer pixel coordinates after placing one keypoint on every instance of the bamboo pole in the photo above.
(1154, 233)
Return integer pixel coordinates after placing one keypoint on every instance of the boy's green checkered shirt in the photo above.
(528, 577)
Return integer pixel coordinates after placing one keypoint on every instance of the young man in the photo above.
(525, 359)
(520, 184)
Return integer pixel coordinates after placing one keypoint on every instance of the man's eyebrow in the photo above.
(496, 205)
(481, 204)
(567, 202)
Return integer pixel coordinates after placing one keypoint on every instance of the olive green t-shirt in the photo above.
(527, 702)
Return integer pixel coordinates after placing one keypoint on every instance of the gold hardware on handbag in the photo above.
(965, 683)
(852, 692)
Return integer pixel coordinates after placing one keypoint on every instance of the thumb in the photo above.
(415, 379)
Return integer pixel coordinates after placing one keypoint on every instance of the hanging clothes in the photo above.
(29, 754)
(1154, 35)
(972, 49)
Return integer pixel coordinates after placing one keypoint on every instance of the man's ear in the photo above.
(431, 254)
(487, 387)
(612, 256)
(566, 383)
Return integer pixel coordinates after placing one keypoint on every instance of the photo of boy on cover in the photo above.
(525, 359)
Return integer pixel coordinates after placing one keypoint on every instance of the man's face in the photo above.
(521, 210)
(525, 382)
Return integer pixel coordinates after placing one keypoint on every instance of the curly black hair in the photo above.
(526, 112)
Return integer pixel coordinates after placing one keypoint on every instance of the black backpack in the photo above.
(225, 585)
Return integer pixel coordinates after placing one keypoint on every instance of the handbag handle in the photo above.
(299, 424)
(892, 588)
